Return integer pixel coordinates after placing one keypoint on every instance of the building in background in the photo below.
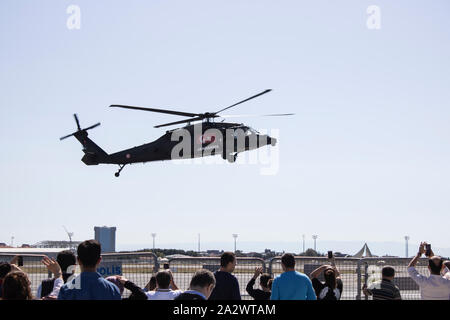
(107, 238)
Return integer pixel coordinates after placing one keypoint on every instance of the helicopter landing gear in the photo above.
(117, 174)
(232, 157)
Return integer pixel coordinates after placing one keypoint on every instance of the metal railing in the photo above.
(139, 267)
(184, 268)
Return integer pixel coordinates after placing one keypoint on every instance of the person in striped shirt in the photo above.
(384, 289)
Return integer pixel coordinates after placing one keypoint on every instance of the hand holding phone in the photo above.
(428, 250)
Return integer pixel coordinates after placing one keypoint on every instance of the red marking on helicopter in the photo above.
(206, 138)
(128, 156)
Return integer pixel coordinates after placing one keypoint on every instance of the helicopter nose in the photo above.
(272, 141)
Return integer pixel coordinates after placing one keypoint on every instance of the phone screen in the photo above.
(330, 254)
(20, 261)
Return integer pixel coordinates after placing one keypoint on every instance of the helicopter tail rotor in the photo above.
(79, 128)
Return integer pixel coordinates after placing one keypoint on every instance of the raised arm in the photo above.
(416, 258)
(316, 273)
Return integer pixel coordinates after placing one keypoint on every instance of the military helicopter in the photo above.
(206, 138)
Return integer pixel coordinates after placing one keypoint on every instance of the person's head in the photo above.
(264, 279)
(435, 265)
(66, 259)
(16, 286)
(203, 281)
(287, 261)
(330, 278)
(5, 268)
(228, 261)
(388, 273)
(89, 254)
(152, 283)
(163, 279)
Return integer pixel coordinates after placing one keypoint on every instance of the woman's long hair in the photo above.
(330, 278)
(16, 286)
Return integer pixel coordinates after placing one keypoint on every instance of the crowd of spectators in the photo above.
(205, 285)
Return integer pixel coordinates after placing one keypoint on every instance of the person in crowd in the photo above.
(291, 285)
(446, 271)
(201, 286)
(123, 283)
(385, 289)
(151, 285)
(66, 260)
(269, 284)
(164, 281)
(332, 288)
(227, 286)
(259, 294)
(89, 284)
(17, 286)
(435, 286)
(5, 268)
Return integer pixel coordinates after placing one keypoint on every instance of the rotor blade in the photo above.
(252, 97)
(178, 122)
(177, 113)
(76, 120)
(256, 115)
(92, 127)
(69, 135)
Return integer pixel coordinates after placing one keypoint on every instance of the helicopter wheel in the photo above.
(117, 174)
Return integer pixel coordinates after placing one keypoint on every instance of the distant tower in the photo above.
(153, 236)
(199, 243)
(12, 241)
(315, 238)
(406, 246)
(107, 238)
(70, 235)
(235, 237)
(303, 236)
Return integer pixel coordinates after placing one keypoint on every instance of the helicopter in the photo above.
(206, 138)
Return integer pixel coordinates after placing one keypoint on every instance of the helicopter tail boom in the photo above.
(93, 154)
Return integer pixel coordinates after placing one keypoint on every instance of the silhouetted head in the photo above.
(435, 265)
(163, 279)
(66, 259)
(388, 273)
(287, 261)
(5, 268)
(264, 279)
(203, 281)
(228, 261)
(16, 286)
(89, 253)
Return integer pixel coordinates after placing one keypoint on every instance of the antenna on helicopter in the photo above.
(70, 234)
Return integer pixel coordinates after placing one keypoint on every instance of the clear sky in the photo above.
(365, 158)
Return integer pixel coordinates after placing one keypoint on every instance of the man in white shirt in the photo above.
(164, 280)
(434, 287)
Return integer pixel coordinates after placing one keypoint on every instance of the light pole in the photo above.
(153, 236)
(12, 241)
(315, 238)
(235, 237)
(406, 246)
(303, 236)
(199, 243)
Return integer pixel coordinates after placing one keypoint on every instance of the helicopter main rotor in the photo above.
(195, 116)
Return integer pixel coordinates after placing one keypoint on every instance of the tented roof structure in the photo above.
(361, 254)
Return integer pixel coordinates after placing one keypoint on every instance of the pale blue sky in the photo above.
(366, 157)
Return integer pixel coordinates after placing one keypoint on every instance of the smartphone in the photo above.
(428, 250)
(166, 266)
(20, 261)
(330, 254)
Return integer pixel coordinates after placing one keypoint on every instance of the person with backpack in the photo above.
(331, 289)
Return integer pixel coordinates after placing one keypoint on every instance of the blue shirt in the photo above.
(292, 285)
(89, 286)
